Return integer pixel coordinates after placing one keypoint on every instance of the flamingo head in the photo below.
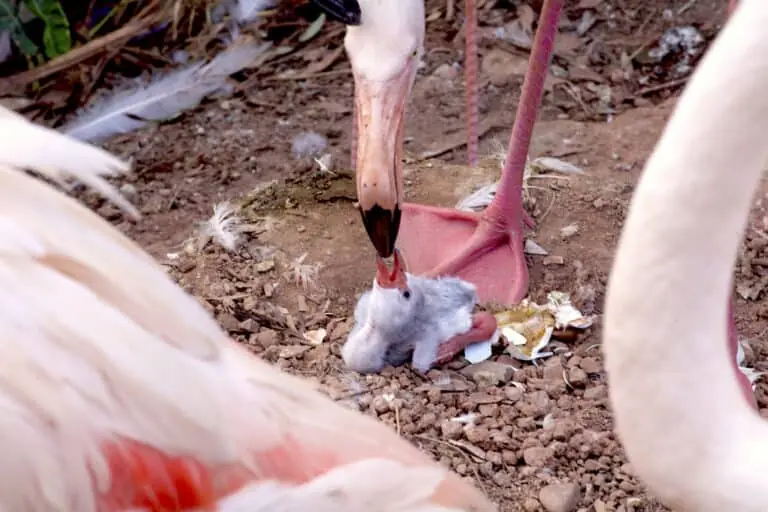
(384, 42)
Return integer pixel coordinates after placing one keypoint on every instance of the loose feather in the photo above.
(163, 99)
(30, 146)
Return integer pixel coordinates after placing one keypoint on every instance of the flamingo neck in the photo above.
(679, 412)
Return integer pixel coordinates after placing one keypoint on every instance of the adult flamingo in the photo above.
(384, 41)
(118, 391)
(682, 417)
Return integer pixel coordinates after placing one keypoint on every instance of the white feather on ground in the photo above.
(222, 227)
(307, 144)
(162, 98)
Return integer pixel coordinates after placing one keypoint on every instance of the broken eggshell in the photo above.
(528, 327)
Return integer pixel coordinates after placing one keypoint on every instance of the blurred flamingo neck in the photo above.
(679, 411)
(508, 200)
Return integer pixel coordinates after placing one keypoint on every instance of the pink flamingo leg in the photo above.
(470, 70)
(487, 248)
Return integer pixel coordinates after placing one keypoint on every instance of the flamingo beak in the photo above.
(380, 112)
(394, 278)
(346, 11)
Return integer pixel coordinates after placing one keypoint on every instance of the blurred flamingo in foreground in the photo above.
(119, 392)
(682, 417)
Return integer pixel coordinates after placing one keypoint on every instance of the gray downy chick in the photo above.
(395, 324)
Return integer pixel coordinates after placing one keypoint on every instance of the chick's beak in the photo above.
(380, 109)
(394, 278)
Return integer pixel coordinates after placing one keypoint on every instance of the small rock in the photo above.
(553, 372)
(531, 505)
(249, 325)
(186, 265)
(500, 66)
(489, 373)
(380, 405)
(569, 231)
(590, 365)
(560, 497)
(595, 393)
(477, 435)
(228, 322)
(267, 338)
(577, 377)
(513, 393)
(451, 429)
(553, 260)
(537, 456)
(446, 72)
(128, 190)
(264, 266)
(292, 351)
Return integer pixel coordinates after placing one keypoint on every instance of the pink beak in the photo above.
(394, 278)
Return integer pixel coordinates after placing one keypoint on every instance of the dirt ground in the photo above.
(542, 434)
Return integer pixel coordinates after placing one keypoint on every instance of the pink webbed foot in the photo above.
(483, 327)
(483, 248)
(487, 249)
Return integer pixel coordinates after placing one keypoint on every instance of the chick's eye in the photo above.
(406, 294)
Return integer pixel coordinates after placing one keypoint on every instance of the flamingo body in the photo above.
(682, 417)
(118, 391)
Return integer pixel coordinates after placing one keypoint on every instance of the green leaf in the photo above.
(9, 20)
(57, 38)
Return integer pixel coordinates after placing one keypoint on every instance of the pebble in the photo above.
(563, 497)
(501, 66)
(489, 373)
(578, 377)
(513, 393)
(590, 365)
(228, 322)
(267, 338)
(596, 393)
(451, 429)
(537, 456)
(531, 505)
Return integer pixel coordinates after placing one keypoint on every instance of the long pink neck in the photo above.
(470, 71)
(509, 194)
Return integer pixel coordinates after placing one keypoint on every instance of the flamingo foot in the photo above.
(483, 327)
(485, 249)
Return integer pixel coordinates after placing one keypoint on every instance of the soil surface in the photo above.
(541, 437)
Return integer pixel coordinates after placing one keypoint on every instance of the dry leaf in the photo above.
(264, 266)
(315, 337)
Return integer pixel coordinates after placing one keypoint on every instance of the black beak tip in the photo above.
(346, 11)
(382, 226)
